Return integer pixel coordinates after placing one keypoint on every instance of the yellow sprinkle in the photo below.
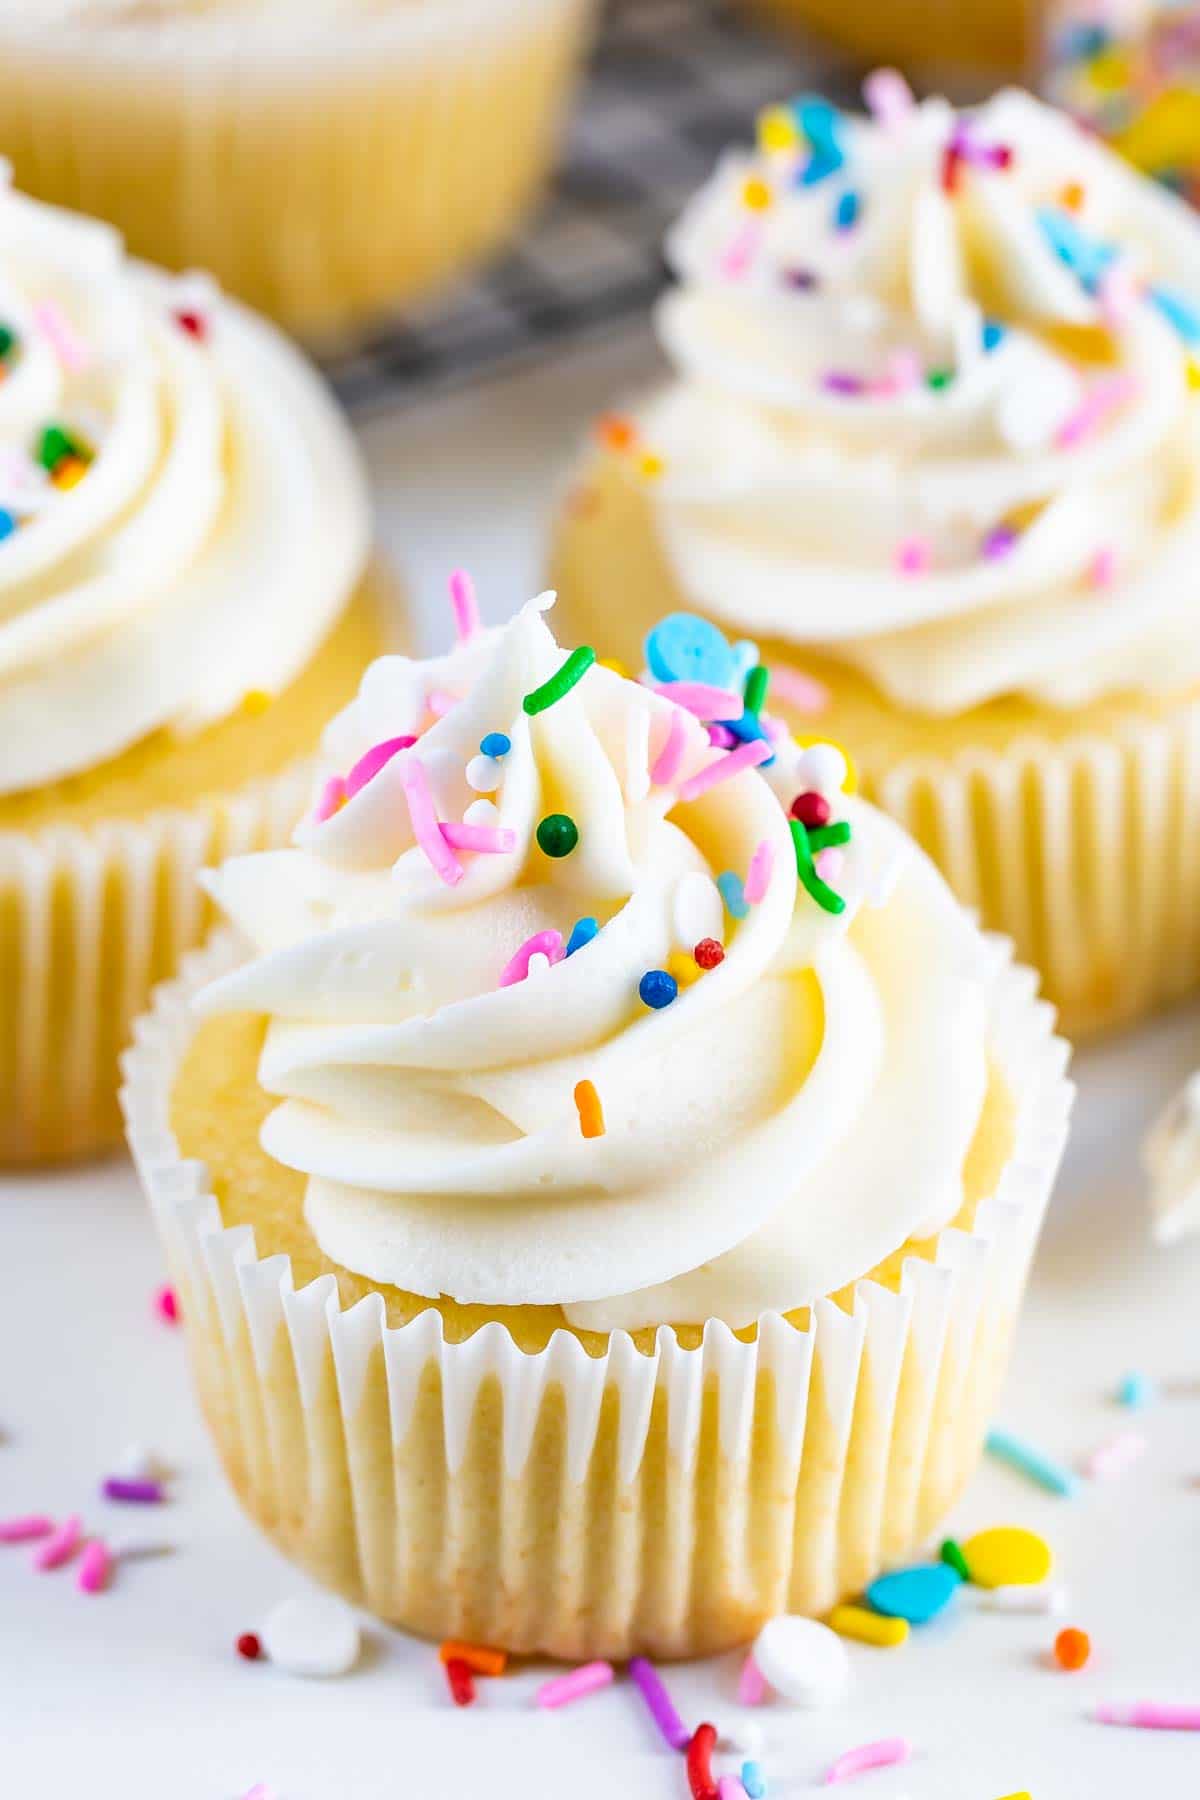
(650, 465)
(255, 702)
(1007, 1556)
(868, 1627)
(591, 1113)
(756, 194)
(1193, 374)
(1023, 1795)
(69, 471)
(617, 667)
(777, 129)
(683, 967)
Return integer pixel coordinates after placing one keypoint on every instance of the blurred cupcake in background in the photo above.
(184, 595)
(932, 35)
(326, 159)
(934, 443)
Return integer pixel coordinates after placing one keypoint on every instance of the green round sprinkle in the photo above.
(951, 1554)
(557, 835)
(816, 888)
(825, 837)
(573, 670)
(8, 339)
(755, 692)
(939, 378)
(55, 444)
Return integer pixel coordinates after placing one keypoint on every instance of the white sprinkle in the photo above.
(822, 769)
(539, 962)
(1041, 1597)
(137, 1463)
(804, 1661)
(482, 812)
(484, 774)
(311, 1634)
(742, 1734)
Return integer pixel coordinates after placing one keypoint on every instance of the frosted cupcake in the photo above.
(184, 598)
(600, 1194)
(931, 35)
(932, 441)
(326, 159)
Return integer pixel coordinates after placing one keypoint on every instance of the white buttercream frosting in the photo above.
(975, 537)
(219, 527)
(795, 1114)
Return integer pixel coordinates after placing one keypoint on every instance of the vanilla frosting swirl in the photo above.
(933, 416)
(792, 1116)
(211, 531)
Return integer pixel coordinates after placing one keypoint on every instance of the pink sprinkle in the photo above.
(666, 767)
(1148, 1715)
(1105, 398)
(333, 795)
(888, 96)
(775, 729)
(423, 814)
(542, 943)
(803, 692)
(61, 1546)
(903, 374)
(494, 840)
(758, 875)
(880, 1755)
(752, 1686)
(729, 1787)
(1118, 295)
(61, 335)
(440, 702)
(95, 1567)
(24, 1530)
(829, 863)
(466, 606)
(374, 759)
(1114, 1457)
(914, 556)
(724, 767)
(585, 1680)
(721, 737)
(1102, 571)
(166, 1305)
(737, 256)
(704, 701)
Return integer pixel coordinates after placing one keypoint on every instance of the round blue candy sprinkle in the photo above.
(657, 988)
(582, 932)
(917, 1594)
(7, 524)
(495, 744)
(682, 647)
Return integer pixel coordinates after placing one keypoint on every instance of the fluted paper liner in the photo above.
(322, 172)
(599, 1505)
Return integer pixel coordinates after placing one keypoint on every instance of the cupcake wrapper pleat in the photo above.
(576, 1505)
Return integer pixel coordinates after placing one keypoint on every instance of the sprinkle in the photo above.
(61, 1546)
(721, 738)
(952, 161)
(440, 702)
(414, 779)
(460, 1681)
(1043, 1597)
(699, 1763)
(888, 97)
(587, 1679)
(1102, 569)
(755, 694)
(557, 835)
(743, 1734)
(917, 1594)
(683, 967)
(758, 876)
(374, 759)
(733, 894)
(465, 606)
(248, 1646)
(615, 432)
(951, 1553)
(806, 870)
(68, 473)
(657, 989)
(484, 774)
(135, 1493)
(802, 692)
(1007, 1555)
(8, 341)
(560, 683)
(26, 1528)
(756, 194)
(1072, 1648)
(752, 1689)
(879, 1755)
(666, 765)
(913, 556)
(166, 1305)
(812, 809)
(591, 1113)
(937, 379)
(724, 767)
(1136, 1390)
(825, 837)
(193, 323)
(1105, 398)
(61, 335)
(825, 767)
(683, 647)
(1086, 257)
(830, 865)
(729, 1787)
(650, 465)
(495, 744)
(662, 1710)
(1006, 1447)
(867, 1627)
(703, 701)
(846, 212)
(7, 524)
(752, 1780)
(542, 943)
(490, 840)
(332, 799)
(738, 255)
(840, 381)
(1150, 1715)
(95, 1568)
(992, 335)
(478, 1657)
(999, 542)
(1178, 311)
(56, 445)
(709, 954)
(1118, 295)
(1115, 1456)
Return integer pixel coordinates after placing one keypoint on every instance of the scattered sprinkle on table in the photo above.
(132, 1493)
(589, 1678)
(60, 1546)
(917, 1594)
(951, 1553)
(1006, 1447)
(166, 1305)
(1072, 1648)
(1150, 1715)
(248, 1646)
(312, 1634)
(1114, 1456)
(460, 1681)
(95, 1567)
(802, 1660)
(753, 1781)
(560, 683)
(882, 1754)
(752, 1689)
(1007, 1556)
(699, 1763)
(26, 1528)
(662, 1708)
(1045, 1597)
(866, 1627)
(479, 1658)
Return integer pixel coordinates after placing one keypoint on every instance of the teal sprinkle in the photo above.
(582, 932)
(1052, 1476)
(752, 1780)
(1178, 311)
(733, 893)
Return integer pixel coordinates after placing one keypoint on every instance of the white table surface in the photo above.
(138, 1693)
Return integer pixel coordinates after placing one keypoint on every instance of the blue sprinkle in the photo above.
(496, 743)
(733, 893)
(1043, 1469)
(657, 989)
(1136, 1390)
(682, 647)
(749, 728)
(7, 524)
(752, 1780)
(819, 120)
(845, 213)
(582, 932)
(1086, 256)
(1183, 314)
(819, 167)
(993, 334)
(916, 1594)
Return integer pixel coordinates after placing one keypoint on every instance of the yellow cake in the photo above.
(326, 159)
(932, 445)
(1002, 36)
(185, 593)
(581, 1255)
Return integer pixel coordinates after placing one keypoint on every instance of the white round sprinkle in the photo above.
(822, 768)
(741, 1734)
(482, 812)
(803, 1660)
(484, 774)
(1043, 1597)
(311, 1634)
(697, 910)
(137, 1463)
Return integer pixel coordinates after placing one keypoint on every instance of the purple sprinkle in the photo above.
(721, 736)
(662, 1708)
(999, 541)
(140, 1493)
(836, 381)
(800, 278)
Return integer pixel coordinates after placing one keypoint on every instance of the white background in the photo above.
(137, 1695)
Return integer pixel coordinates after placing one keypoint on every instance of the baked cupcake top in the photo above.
(182, 513)
(565, 1008)
(935, 409)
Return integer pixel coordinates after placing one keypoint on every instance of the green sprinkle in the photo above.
(939, 378)
(951, 1554)
(55, 444)
(824, 837)
(755, 693)
(824, 896)
(552, 691)
(8, 339)
(557, 834)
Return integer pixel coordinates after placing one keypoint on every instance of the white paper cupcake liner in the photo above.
(585, 1505)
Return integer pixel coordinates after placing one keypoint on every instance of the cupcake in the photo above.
(184, 598)
(1000, 35)
(599, 1176)
(326, 159)
(932, 441)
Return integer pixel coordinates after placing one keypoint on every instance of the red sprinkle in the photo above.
(166, 1305)
(951, 165)
(708, 953)
(248, 1646)
(194, 323)
(699, 1763)
(460, 1680)
(812, 809)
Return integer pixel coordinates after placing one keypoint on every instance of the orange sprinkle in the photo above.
(1072, 1648)
(615, 432)
(69, 471)
(1072, 196)
(591, 1113)
(478, 1658)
